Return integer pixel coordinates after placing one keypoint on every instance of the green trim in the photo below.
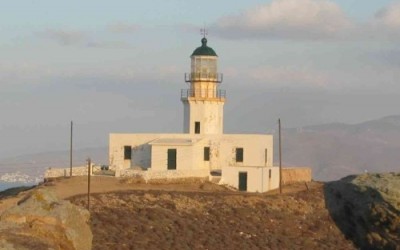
(204, 50)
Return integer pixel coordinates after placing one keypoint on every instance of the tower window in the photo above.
(239, 154)
(197, 127)
(266, 156)
(127, 152)
(206, 153)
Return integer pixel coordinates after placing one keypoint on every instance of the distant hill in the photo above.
(31, 167)
(332, 150)
(336, 150)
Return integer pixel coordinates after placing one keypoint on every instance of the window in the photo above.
(127, 152)
(266, 157)
(171, 159)
(270, 173)
(197, 127)
(206, 153)
(239, 154)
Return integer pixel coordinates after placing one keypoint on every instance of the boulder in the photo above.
(367, 209)
(41, 221)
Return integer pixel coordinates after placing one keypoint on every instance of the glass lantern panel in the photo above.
(204, 67)
(197, 69)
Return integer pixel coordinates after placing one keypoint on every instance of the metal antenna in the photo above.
(280, 157)
(70, 153)
(89, 162)
(204, 32)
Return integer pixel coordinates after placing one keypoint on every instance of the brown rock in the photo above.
(41, 221)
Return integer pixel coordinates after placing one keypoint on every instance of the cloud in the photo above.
(286, 76)
(386, 24)
(126, 28)
(64, 37)
(295, 19)
(82, 39)
(22, 73)
(110, 45)
(389, 16)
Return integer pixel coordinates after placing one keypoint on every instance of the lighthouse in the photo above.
(203, 150)
(203, 101)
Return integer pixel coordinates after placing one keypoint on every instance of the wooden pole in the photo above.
(280, 158)
(88, 194)
(70, 153)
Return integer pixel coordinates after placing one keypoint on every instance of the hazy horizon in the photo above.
(119, 67)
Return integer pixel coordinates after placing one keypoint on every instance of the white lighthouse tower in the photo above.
(203, 102)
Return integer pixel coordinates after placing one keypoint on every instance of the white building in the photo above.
(246, 160)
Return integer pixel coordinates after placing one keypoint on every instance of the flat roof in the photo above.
(175, 141)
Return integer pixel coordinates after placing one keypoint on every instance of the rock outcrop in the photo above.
(41, 221)
(367, 209)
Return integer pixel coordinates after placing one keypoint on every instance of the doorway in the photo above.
(172, 159)
(242, 181)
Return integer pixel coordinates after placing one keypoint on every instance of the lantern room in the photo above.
(204, 65)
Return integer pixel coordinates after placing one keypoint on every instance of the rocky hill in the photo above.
(352, 213)
(213, 218)
(367, 209)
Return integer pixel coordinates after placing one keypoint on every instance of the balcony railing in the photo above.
(207, 77)
(219, 94)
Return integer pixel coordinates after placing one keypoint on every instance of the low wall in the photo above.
(168, 174)
(294, 175)
(64, 172)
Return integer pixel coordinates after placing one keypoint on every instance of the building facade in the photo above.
(203, 147)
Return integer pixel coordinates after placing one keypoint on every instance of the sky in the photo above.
(118, 66)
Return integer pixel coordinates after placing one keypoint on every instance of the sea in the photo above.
(7, 185)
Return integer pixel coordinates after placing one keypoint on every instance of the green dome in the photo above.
(204, 50)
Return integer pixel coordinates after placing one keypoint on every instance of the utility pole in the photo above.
(280, 158)
(70, 153)
(88, 193)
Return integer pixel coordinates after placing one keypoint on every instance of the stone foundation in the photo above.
(168, 174)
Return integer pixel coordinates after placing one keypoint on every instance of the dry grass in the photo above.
(157, 219)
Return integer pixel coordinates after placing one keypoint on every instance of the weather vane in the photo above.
(204, 32)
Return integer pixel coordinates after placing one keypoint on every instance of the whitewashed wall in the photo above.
(140, 145)
(257, 178)
(159, 157)
(222, 148)
(254, 150)
(208, 113)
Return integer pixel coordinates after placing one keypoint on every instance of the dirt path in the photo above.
(69, 187)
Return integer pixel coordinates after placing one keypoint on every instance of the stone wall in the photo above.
(293, 175)
(168, 174)
(63, 172)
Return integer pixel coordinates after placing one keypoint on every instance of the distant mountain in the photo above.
(30, 168)
(332, 150)
(336, 150)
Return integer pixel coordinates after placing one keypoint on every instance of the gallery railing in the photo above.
(207, 77)
(219, 94)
